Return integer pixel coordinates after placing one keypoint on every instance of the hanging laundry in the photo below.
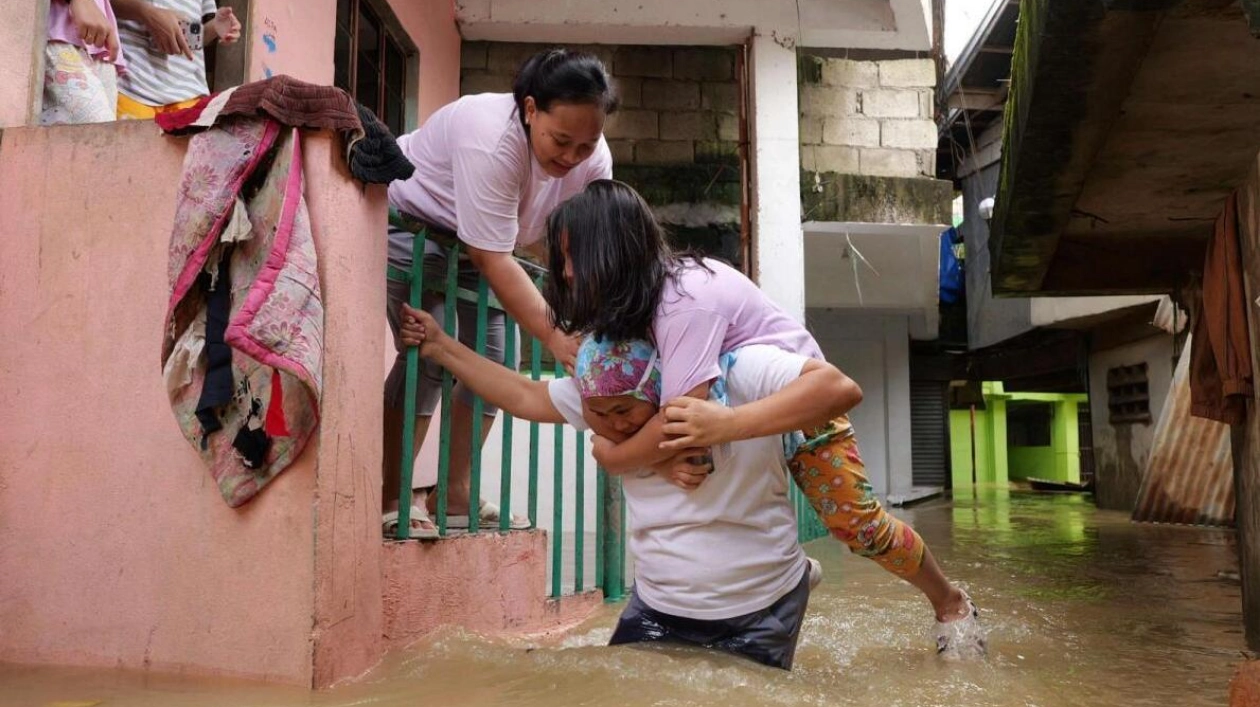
(243, 346)
(1220, 363)
(243, 351)
(952, 281)
(1169, 316)
(376, 157)
(371, 150)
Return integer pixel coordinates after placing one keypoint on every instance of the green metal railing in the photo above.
(808, 525)
(609, 528)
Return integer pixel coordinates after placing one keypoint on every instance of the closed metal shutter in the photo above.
(929, 433)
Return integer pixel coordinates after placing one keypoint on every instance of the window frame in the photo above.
(391, 32)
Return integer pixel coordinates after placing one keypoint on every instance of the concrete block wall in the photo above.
(679, 105)
(1121, 451)
(675, 138)
(867, 117)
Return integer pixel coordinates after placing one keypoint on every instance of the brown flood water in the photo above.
(1083, 607)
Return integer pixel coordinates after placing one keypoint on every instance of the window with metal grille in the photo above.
(1128, 395)
(371, 62)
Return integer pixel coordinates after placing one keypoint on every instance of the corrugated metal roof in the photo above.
(1189, 477)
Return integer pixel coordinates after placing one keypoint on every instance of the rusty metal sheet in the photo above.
(1189, 476)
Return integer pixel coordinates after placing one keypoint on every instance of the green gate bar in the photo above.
(612, 546)
(601, 490)
(505, 466)
(808, 525)
(448, 385)
(407, 459)
(478, 412)
(579, 521)
(535, 372)
(557, 499)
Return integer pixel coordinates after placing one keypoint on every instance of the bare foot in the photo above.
(961, 636)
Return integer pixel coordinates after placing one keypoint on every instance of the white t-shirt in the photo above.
(476, 175)
(728, 548)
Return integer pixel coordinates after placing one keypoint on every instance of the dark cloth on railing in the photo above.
(1220, 356)
(371, 150)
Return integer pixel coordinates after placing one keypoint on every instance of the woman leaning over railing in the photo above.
(489, 169)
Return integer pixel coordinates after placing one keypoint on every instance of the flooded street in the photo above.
(1083, 607)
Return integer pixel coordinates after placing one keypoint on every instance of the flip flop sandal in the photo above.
(489, 517)
(389, 525)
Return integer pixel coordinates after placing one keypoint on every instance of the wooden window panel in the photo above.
(370, 63)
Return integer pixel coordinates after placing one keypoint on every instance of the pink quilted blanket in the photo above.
(242, 353)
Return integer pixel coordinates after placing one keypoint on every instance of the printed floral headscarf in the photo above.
(608, 368)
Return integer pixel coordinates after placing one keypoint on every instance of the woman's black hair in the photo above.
(562, 76)
(620, 262)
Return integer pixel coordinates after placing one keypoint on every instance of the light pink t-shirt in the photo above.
(61, 29)
(702, 313)
(476, 175)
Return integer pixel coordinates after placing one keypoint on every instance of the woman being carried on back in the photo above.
(750, 599)
(621, 281)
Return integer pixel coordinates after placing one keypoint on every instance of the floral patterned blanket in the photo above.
(243, 365)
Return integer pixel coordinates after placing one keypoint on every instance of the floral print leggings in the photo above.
(829, 471)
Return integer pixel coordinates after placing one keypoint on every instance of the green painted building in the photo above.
(1015, 437)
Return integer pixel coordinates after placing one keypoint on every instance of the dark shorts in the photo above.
(768, 636)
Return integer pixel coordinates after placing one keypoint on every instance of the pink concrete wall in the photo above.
(489, 583)
(22, 33)
(294, 38)
(348, 222)
(116, 547)
(431, 26)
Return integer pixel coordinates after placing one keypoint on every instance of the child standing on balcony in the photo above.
(621, 281)
(749, 599)
(81, 62)
(165, 41)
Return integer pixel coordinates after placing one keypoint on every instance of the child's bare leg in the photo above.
(831, 475)
(949, 602)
